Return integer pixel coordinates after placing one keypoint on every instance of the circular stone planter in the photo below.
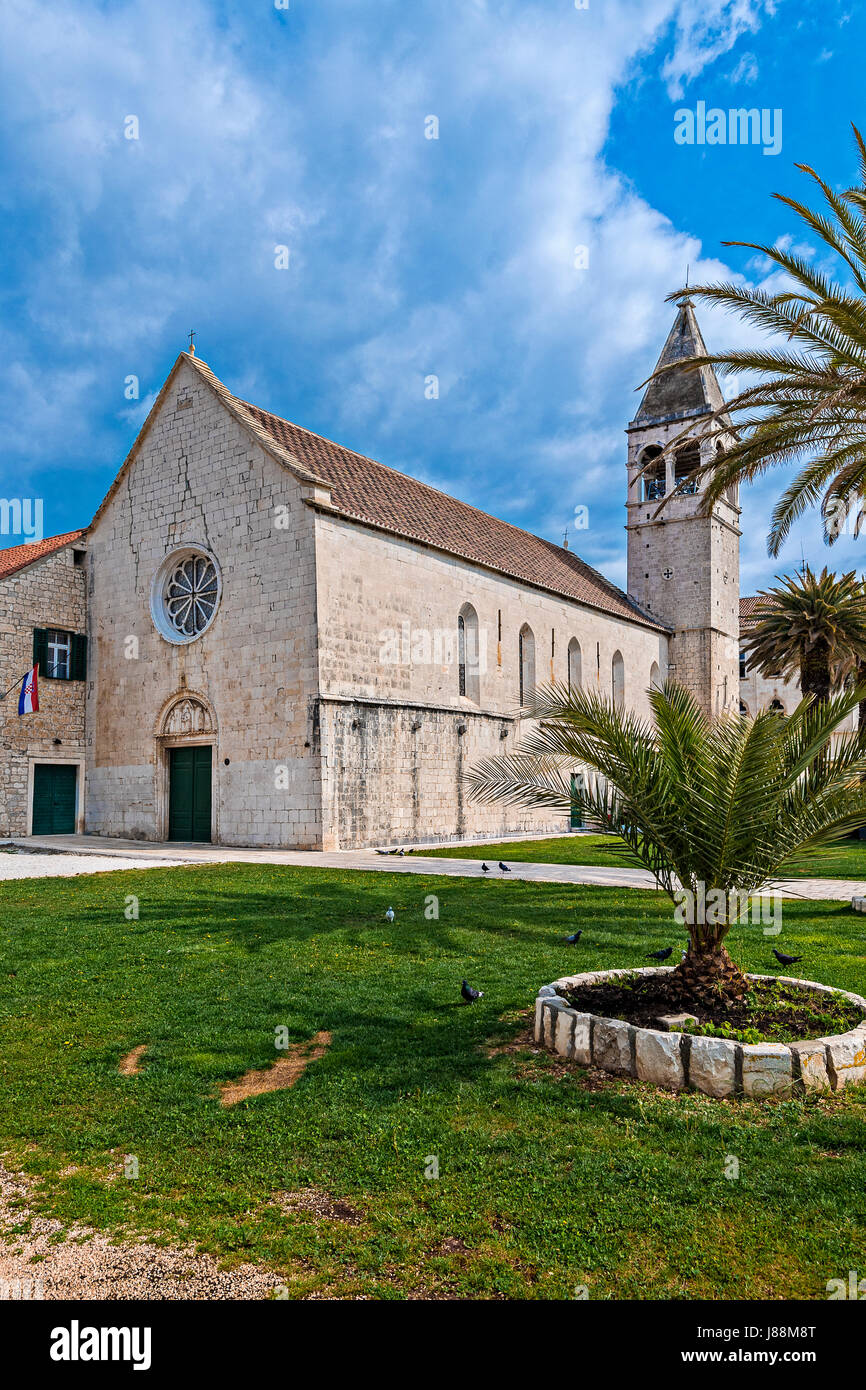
(681, 1061)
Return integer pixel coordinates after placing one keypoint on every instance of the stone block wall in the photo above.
(685, 569)
(48, 593)
(396, 735)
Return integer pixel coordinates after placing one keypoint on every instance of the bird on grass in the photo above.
(785, 960)
(389, 915)
(504, 867)
(485, 868)
(659, 955)
(575, 937)
(470, 994)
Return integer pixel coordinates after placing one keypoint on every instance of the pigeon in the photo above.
(402, 852)
(683, 953)
(659, 955)
(785, 960)
(383, 851)
(504, 867)
(485, 868)
(389, 915)
(574, 938)
(470, 994)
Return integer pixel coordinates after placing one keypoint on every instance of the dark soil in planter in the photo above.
(770, 1012)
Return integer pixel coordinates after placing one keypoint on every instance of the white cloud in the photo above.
(409, 256)
(745, 71)
(705, 30)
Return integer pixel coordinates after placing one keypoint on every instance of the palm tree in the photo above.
(811, 628)
(720, 804)
(808, 407)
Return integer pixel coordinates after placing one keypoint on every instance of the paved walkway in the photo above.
(137, 854)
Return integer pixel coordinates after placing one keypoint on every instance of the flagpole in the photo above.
(17, 683)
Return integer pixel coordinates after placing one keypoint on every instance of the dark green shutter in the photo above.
(40, 649)
(78, 662)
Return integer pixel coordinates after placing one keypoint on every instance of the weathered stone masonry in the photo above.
(50, 593)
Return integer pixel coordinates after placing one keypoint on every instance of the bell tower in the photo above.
(684, 567)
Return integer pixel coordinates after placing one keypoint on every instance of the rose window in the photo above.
(185, 595)
(191, 596)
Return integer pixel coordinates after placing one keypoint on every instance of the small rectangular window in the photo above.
(58, 655)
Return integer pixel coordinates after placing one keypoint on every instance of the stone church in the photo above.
(263, 638)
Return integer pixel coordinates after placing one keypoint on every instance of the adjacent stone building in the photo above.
(43, 619)
(289, 644)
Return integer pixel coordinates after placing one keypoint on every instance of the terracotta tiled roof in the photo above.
(18, 557)
(371, 492)
(748, 605)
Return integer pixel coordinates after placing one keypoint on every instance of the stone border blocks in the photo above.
(681, 1061)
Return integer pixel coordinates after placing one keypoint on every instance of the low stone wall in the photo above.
(680, 1061)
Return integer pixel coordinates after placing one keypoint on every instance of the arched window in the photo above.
(655, 676)
(575, 665)
(744, 709)
(776, 706)
(654, 482)
(469, 664)
(617, 672)
(527, 663)
(685, 460)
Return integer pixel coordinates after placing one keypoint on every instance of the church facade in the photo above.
(274, 641)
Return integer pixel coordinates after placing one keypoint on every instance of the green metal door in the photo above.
(577, 786)
(189, 793)
(54, 799)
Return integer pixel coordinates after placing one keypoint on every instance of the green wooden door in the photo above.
(576, 818)
(54, 788)
(189, 793)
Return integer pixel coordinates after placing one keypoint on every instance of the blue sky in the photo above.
(305, 127)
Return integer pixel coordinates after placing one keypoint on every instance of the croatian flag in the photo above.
(28, 699)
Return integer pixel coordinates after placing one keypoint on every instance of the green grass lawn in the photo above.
(847, 860)
(547, 1180)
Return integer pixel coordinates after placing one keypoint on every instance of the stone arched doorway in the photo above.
(186, 737)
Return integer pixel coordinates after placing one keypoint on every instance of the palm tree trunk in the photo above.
(815, 673)
(709, 973)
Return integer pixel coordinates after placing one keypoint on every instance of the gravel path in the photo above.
(86, 1265)
(68, 865)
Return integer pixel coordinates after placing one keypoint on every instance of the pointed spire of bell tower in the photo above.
(678, 395)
